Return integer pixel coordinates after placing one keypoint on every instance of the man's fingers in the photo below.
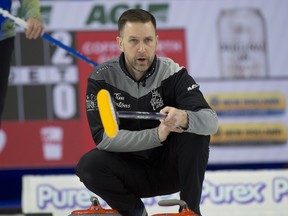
(179, 130)
(34, 28)
(34, 32)
(173, 128)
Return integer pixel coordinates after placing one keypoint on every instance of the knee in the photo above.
(190, 141)
(190, 145)
(90, 167)
(83, 172)
(85, 177)
(197, 143)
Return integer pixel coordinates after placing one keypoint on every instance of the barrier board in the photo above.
(233, 193)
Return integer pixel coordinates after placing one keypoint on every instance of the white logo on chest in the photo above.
(119, 101)
(156, 100)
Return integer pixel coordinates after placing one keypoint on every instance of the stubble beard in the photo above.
(137, 68)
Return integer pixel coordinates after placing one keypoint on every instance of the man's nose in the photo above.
(142, 47)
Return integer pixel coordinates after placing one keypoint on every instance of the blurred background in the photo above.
(235, 50)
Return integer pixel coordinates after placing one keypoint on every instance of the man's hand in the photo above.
(175, 121)
(34, 28)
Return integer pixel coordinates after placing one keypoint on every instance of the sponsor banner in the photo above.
(97, 15)
(245, 192)
(248, 103)
(224, 193)
(253, 133)
(253, 118)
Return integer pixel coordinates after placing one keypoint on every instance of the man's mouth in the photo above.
(141, 59)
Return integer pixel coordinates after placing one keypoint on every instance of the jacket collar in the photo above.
(148, 73)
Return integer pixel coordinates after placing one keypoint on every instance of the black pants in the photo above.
(121, 179)
(6, 50)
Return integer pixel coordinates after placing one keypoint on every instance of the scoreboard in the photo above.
(43, 82)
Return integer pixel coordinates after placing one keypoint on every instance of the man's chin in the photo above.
(142, 69)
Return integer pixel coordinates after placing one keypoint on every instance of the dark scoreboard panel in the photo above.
(43, 83)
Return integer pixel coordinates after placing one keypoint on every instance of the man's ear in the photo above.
(120, 43)
(157, 41)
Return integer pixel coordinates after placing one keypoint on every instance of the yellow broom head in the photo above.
(107, 112)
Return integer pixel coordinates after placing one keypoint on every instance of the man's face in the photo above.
(138, 41)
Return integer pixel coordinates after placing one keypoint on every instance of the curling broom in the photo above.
(109, 116)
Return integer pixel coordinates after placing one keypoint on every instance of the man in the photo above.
(147, 157)
(31, 11)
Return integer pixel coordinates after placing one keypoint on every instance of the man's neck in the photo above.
(137, 75)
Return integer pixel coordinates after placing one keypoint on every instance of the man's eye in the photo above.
(133, 41)
(148, 40)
